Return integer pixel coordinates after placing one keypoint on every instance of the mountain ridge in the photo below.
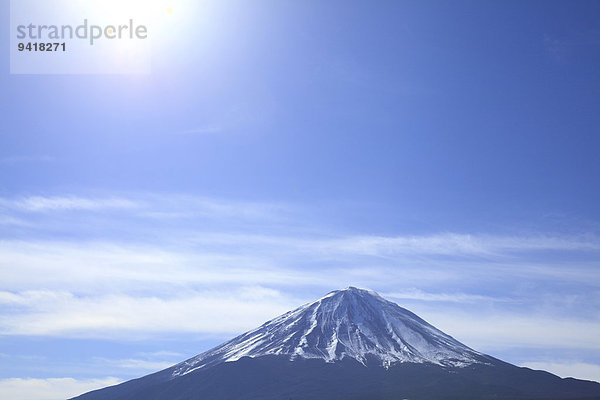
(349, 344)
(354, 323)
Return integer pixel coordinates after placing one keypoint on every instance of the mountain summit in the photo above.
(350, 344)
(348, 323)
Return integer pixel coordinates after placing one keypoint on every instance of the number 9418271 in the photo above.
(42, 46)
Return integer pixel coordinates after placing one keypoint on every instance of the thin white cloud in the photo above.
(204, 206)
(135, 285)
(104, 268)
(67, 315)
(139, 207)
(490, 332)
(162, 353)
(164, 209)
(567, 369)
(51, 388)
(91, 266)
(252, 261)
(139, 366)
(417, 294)
(240, 117)
(458, 244)
(41, 204)
(230, 312)
(31, 297)
(7, 220)
(448, 250)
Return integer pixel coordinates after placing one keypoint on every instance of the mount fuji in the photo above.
(349, 344)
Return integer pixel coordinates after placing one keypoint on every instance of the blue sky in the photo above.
(442, 154)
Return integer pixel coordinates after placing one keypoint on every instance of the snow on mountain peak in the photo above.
(353, 323)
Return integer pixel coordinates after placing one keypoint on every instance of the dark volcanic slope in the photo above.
(272, 377)
(350, 344)
(350, 323)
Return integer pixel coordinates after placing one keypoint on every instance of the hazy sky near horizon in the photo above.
(443, 154)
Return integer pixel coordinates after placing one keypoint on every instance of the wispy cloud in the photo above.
(213, 221)
(492, 332)
(568, 369)
(93, 266)
(162, 353)
(138, 365)
(40, 204)
(12, 221)
(232, 311)
(141, 206)
(460, 244)
(240, 117)
(68, 315)
(417, 294)
(151, 265)
(51, 388)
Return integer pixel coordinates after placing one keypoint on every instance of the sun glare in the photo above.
(151, 13)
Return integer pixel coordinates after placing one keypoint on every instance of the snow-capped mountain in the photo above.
(349, 323)
(350, 344)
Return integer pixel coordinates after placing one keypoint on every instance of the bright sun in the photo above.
(158, 16)
(150, 12)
